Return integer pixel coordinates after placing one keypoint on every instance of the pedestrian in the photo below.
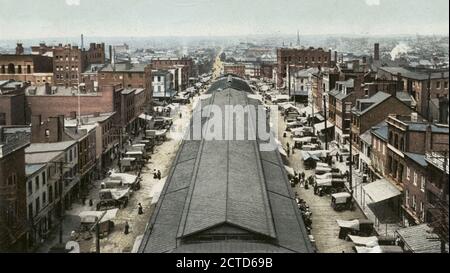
(287, 144)
(181, 115)
(159, 175)
(127, 228)
(91, 203)
(155, 174)
(140, 209)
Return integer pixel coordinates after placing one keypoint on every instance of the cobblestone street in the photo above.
(324, 227)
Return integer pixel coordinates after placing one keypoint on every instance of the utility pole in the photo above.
(61, 200)
(325, 117)
(429, 98)
(350, 164)
(443, 205)
(312, 104)
(289, 78)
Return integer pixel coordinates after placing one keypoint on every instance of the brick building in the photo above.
(128, 75)
(13, 210)
(70, 61)
(367, 113)
(33, 69)
(417, 84)
(436, 190)
(410, 138)
(304, 58)
(236, 69)
(167, 63)
(13, 106)
(54, 101)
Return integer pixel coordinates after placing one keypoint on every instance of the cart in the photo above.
(341, 201)
(359, 227)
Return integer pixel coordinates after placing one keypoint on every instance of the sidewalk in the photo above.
(362, 199)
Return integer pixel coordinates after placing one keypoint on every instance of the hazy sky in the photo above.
(62, 18)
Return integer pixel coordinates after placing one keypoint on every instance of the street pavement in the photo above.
(324, 227)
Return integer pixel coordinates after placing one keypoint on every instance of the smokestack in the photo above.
(82, 42)
(110, 54)
(376, 54)
(335, 57)
(113, 60)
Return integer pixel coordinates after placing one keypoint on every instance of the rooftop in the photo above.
(124, 67)
(31, 169)
(56, 91)
(245, 205)
(365, 105)
(414, 75)
(49, 147)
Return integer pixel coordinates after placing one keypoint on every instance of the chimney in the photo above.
(110, 53)
(376, 52)
(48, 88)
(19, 49)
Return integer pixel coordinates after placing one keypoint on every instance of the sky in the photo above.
(145, 18)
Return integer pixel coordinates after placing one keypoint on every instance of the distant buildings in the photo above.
(70, 61)
(304, 58)
(13, 106)
(33, 69)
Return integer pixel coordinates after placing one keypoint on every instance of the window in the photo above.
(47, 132)
(28, 69)
(415, 179)
(11, 69)
(407, 198)
(44, 198)
(44, 178)
(413, 205)
(30, 211)
(36, 182)
(19, 69)
(30, 187)
(408, 173)
(422, 211)
(438, 85)
(396, 141)
(3, 71)
(12, 179)
(422, 184)
(446, 85)
(384, 149)
(38, 205)
(50, 194)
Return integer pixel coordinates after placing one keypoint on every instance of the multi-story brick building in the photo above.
(167, 63)
(304, 58)
(436, 190)
(48, 101)
(70, 61)
(236, 69)
(13, 106)
(128, 75)
(13, 210)
(417, 85)
(369, 112)
(33, 69)
(409, 139)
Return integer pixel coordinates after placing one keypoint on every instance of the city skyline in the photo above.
(184, 18)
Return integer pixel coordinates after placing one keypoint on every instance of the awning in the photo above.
(307, 156)
(321, 126)
(341, 197)
(381, 190)
(92, 216)
(145, 117)
(364, 241)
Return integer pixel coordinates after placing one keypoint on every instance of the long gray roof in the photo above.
(227, 190)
